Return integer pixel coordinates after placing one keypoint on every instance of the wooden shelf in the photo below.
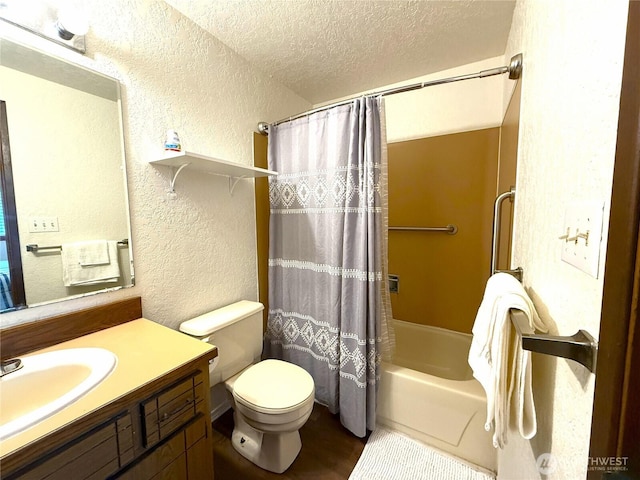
(215, 166)
(212, 165)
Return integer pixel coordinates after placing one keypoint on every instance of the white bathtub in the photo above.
(429, 393)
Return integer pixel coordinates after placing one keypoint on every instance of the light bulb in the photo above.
(71, 22)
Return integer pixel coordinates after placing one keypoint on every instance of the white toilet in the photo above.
(271, 399)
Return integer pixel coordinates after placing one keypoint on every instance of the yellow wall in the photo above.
(436, 181)
(507, 174)
(260, 144)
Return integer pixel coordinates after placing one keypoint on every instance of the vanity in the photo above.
(148, 419)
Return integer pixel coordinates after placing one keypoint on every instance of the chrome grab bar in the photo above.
(450, 229)
(497, 220)
(581, 347)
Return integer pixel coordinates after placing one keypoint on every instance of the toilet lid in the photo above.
(273, 385)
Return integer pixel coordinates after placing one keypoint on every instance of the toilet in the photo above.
(271, 399)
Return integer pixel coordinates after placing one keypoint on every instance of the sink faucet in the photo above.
(9, 366)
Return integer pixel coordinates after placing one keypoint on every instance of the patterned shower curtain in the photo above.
(328, 297)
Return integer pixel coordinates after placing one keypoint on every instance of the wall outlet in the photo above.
(43, 224)
(582, 236)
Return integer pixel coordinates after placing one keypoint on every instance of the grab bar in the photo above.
(497, 217)
(35, 248)
(450, 229)
(581, 347)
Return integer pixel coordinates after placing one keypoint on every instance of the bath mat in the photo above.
(389, 455)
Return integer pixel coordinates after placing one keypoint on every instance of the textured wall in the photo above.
(197, 252)
(327, 49)
(443, 109)
(570, 95)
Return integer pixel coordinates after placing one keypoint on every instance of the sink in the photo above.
(49, 382)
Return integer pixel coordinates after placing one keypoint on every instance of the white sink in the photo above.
(47, 383)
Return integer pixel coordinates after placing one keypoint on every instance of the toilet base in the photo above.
(274, 452)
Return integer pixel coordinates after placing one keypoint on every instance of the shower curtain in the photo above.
(328, 297)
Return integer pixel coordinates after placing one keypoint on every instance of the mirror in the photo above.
(63, 181)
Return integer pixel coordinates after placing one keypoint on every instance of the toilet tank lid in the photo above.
(209, 322)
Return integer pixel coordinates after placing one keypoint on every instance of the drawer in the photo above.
(96, 453)
(125, 440)
(176, 406)
(182, 388)
(171, 409)
(174, 422)
(200, 392)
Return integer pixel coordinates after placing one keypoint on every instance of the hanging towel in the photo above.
(95, 252)
(86, 263)
(498, 361)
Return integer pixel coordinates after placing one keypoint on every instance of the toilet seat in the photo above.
(274, 387)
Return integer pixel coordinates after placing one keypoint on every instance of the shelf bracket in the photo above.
(233, 181)
(175, 176)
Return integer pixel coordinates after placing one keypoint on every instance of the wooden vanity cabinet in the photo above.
(151, 423)
(164, 432)
(176, 431)
(99, 452)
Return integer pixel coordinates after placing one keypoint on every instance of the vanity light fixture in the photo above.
(66, 25)
(71, 23)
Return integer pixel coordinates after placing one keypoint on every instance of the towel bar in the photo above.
(35, 248)
(581, 347)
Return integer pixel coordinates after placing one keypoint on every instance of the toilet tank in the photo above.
(237, 332)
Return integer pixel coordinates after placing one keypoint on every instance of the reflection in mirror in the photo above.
(64, 201)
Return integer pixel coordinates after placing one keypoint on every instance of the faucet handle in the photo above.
(9, 366)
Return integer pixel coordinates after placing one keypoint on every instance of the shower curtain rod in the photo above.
(514, 70)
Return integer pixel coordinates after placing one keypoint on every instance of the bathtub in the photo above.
(429, 393)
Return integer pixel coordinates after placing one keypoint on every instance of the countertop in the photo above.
(146, 351)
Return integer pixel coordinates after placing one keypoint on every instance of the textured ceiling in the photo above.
(326, 49)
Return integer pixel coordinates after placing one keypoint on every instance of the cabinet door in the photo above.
(158, 460)
(199, 451)
(176, 470)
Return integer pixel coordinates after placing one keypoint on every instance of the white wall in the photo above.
(573, 54)
(443, 109)
(450, 108)
(197, 252)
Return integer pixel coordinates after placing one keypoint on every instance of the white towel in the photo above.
(95, 252)
(75, 272)
(498, 361)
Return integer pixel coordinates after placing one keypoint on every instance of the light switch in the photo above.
(582, 235)
(43, 224)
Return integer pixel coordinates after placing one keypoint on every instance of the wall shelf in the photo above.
(214, 166)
